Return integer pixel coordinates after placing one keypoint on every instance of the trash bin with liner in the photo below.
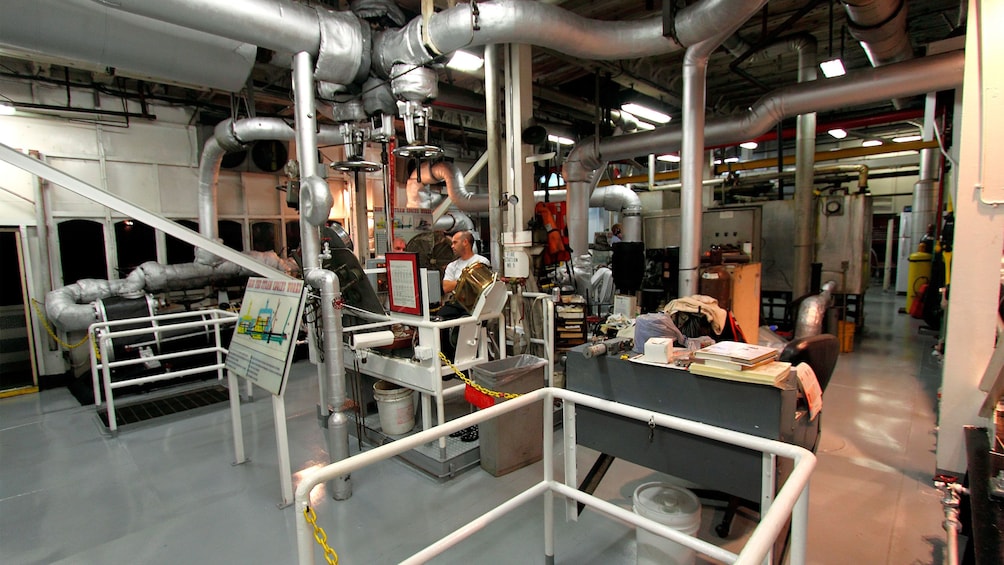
(513, 440)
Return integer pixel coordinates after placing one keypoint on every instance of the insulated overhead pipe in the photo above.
(695, 67)
(455, 186)
(229, 136)
(101, 36)
(917, 76)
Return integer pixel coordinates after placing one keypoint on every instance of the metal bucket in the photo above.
(474, 279)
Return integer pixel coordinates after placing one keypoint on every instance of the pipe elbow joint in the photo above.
(315, 200)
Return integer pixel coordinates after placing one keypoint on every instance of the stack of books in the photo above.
(740, 362)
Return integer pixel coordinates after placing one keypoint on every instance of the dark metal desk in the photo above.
(764, 411)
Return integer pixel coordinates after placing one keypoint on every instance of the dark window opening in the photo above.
(179, 251)
(232, 234)
(82, 250)
(136, 243)
(263, 236)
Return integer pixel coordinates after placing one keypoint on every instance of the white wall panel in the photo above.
(262, 197)
(151, 143)
(179, 191)
(66, 203)
(50, 137)
(134, 182)
(229, 195)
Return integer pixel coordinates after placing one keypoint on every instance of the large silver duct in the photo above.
(69, 307)
(545, 25)
(880, 27)
(339, 42)
(454, 221)
(80, 30)
(455, 186)
(695, 68)
(917, 76)
(811, 315)
(232, 136)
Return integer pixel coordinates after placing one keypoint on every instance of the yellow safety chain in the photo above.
(476, 386)
(51, 332)
(322, 538)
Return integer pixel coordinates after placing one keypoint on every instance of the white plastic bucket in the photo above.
(672, 506)
(396, 407)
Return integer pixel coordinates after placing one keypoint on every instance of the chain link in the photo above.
(322, 538)
(51, 332)
(476, 386)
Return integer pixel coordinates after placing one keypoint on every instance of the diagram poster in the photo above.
(262, 348)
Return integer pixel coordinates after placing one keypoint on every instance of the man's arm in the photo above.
(449, 285)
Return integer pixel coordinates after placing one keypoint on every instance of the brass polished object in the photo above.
(474, 279)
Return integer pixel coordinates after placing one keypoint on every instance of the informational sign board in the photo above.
(403, 283)
(262, 348)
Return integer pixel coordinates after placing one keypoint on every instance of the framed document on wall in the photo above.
(403, 289)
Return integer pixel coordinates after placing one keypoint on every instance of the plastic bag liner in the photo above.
(657, 324)
(502, 375)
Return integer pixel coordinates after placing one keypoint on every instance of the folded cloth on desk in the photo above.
(703, 305)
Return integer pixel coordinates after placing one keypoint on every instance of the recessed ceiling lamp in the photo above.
(465, 62)
(669, 158)
(749, 145)
(560, 140)
(646, 113)
(871, 143)
(832, 68)
(838, 133)
(907, 138)
(6, 109)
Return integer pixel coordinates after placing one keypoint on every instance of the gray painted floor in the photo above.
(165, 491)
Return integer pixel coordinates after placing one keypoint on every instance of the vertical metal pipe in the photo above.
(494, 166)
(887, 274)
(651, 171)
(695, 66)
(362, 235)
(338, 421)
(306, 149)
(805, 151)
(925, 195)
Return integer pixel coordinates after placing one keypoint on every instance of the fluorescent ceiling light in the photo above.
(832, 68)
(646, 113)
(907, 138)
(838, 133)
(732, 159)
(749, 145)
(871, 143)
(6, 109)
(645, 126)
(560, 140)
(465, 62)
(669, 158)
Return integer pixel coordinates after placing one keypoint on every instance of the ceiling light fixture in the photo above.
(669, 158)
(832, 68)
(646, 113)
(560, 140)
(749, 145)
(838, 133)
(871, 143)
(907, 138)
(465, 62)
(7, 109)
(645, 126)
(732, 159)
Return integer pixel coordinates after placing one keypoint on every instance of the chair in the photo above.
(818, 351)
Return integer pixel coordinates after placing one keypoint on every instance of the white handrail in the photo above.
(103, 334)
(791, 500)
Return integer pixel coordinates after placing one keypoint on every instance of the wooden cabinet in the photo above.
(746, 298)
